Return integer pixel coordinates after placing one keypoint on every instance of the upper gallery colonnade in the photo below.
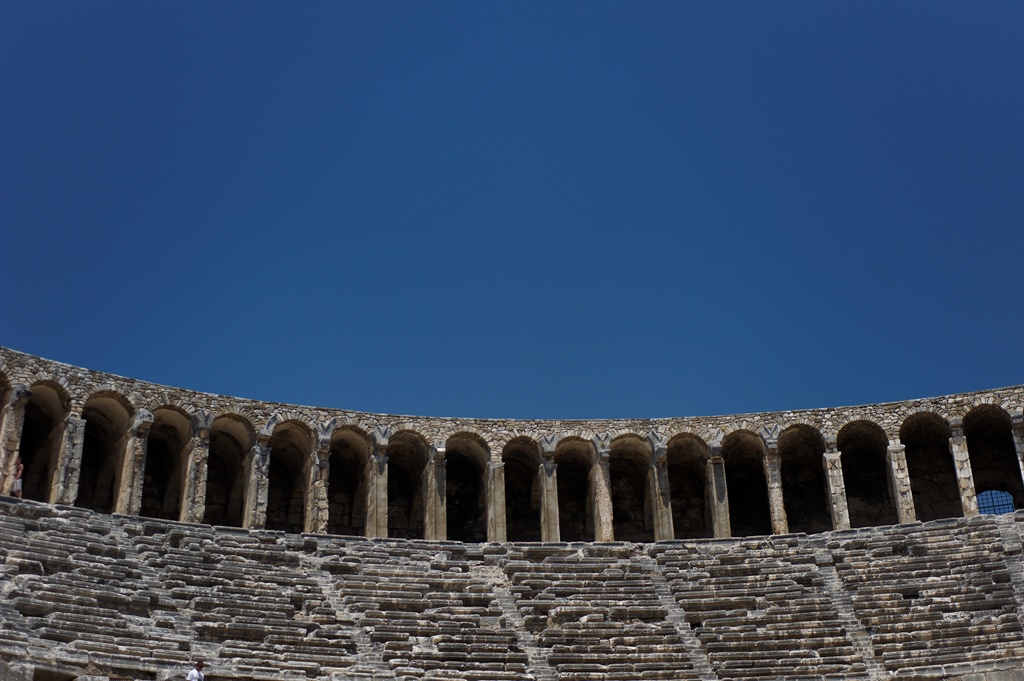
(119, 445)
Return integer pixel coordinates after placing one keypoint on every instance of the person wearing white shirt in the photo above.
(197, 673)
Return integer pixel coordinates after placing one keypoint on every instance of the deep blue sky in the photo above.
(552, 210)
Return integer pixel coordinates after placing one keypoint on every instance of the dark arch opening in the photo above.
(465, 497)
(994, 463)
(629, 463)
(464, 493)
(862, 446)
(99, 482)
(749, 512)
(346, 483)
(930, 466)
(522, 492)
(407, 456)
(687, 477)
(227, 470)
(41, 437)
(574, 459)
(804, 489)
(290, 447)
(164, 471)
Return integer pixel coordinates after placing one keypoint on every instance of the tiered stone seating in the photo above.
(76, 594)
(760, 609)
(425, 611)
(596, 612)
(249, 601)
(130, 598)
(932, 595)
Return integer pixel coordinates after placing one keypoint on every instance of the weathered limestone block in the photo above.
(962, 466)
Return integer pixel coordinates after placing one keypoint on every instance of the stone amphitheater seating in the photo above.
(116, 597)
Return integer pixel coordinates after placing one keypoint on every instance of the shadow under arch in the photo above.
(164, 473)
(228, 468)
(107, 420)
(862, 449)
(522, 490)
(994, 463)
(346, 482)
(804, 487)
(574, 458)
(687, 456)
(629, 466)
(749, 512)
(290, 446)
(925, 436)
(407, 454)
(42, 435)
(466, 457)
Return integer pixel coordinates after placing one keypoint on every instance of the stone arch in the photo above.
(629, 466)
(925, 436)
(107, 415)
(804, 488)
(346, 481)
(575, 458)
(407, 453)
(688, 456)
(232, 437)
(522, 489)
(466, 457)
(290, 443)
(164, 473)
(749, 512)
(862, 449)
(42, 435)
(988, 429)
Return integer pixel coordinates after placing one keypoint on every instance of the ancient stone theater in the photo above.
(144, 528)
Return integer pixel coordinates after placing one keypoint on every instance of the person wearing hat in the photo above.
(197, 673)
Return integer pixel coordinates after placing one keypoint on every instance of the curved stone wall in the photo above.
(114, 444)
(705, 548)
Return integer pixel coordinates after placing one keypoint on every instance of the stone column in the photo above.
(10, 434)
(496, 502)
(899, 482)
(133, 467)
(376, 473)
(435, 495)
(718, 494)
(197, 456)
(773, 476)
(1017, 419)
(69, 462)
(547, 480)
(601, 489)
(660, 491)
(317, 509)
(257, 486)
(837, 504)
(962, 466)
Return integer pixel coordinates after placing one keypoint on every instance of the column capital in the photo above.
(437, 451)
(602, 446)
(202, 421)
(323, 432)
(659, 448)
(142, 423)
(20, 394)
(548, 443)
(381, 435)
